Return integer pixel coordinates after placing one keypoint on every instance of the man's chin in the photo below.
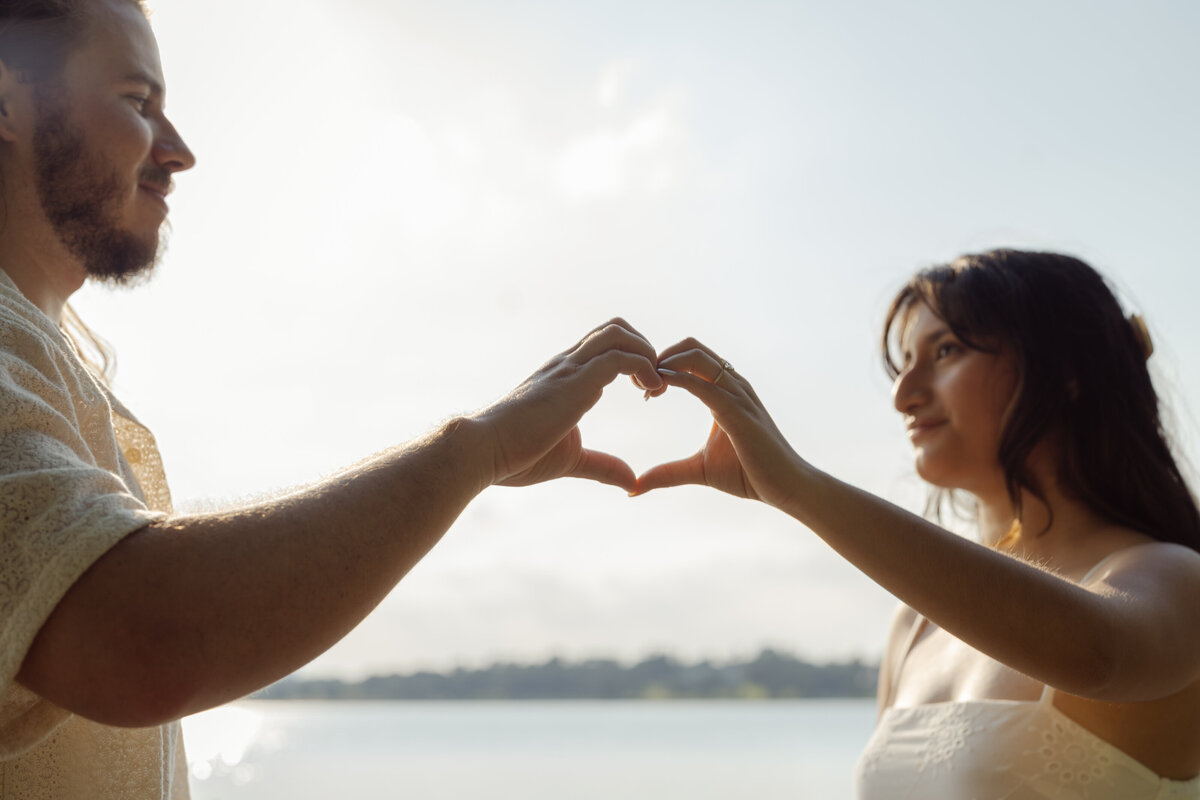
(125, 260)
(124, 280)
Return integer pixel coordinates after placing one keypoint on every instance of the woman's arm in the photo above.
(1127, 636)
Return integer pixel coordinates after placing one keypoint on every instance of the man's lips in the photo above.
(156, 191)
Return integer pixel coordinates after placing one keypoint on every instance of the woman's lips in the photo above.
(920, 427)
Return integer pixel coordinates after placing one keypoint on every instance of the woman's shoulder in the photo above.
(1141, 554)
(903, 620)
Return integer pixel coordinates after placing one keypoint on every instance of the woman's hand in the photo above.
(745, 454)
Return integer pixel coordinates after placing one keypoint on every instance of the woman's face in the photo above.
(954, 400)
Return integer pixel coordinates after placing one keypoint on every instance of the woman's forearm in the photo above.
(1032, 620)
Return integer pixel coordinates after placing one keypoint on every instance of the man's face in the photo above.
(104, 151)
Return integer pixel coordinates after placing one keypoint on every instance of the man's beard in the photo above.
(81, 198)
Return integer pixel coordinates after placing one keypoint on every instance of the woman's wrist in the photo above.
(802, 483)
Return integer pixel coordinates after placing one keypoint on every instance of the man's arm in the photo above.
(193, 612)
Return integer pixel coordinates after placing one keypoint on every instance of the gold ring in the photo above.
(725, 367)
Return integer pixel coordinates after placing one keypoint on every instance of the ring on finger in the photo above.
(725, 367)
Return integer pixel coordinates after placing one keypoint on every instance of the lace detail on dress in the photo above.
(950, 729)
(1002, 750)
(1073, 757)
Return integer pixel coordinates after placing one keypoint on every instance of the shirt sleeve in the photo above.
(63, 504)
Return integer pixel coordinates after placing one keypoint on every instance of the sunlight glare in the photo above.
(217, 741)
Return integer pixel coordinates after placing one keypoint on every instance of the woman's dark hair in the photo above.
(1083, 382)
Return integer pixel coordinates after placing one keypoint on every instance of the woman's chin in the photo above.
(936, 474)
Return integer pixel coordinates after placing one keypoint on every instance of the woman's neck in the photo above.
(1054, 529)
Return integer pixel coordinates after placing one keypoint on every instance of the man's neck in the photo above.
(45, 274)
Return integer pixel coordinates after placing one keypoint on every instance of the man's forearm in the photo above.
(187, 614)
(196, 611)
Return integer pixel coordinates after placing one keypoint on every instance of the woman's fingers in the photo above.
(689, 343)
(673, 473)
(693, 357)
(722, 399)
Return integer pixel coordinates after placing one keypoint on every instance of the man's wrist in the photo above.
(469, 446)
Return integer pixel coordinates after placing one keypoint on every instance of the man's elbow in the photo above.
(130, 685)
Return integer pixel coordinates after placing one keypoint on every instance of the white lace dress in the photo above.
(1001, 750)
(77, 473)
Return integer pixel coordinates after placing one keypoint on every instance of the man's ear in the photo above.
(14, 99)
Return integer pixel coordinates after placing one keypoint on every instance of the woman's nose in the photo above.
(910, 390)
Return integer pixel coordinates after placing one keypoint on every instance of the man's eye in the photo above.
(138, 101)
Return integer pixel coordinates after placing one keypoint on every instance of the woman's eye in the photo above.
(946, 349)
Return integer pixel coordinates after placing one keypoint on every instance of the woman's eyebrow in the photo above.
(935, 334)
(926, 340)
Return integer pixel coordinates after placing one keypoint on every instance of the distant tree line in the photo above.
(769, 675)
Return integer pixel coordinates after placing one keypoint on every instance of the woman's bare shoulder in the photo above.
(903, 621)
(1152, 559)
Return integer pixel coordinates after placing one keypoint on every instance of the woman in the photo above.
(1059, 657)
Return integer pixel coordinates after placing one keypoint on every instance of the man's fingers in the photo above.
(604, 468)
(650, 392)
(618, 336)
(673, 473)
(612, 363)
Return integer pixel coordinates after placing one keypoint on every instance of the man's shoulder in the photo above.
(22, 336)
(30, 346)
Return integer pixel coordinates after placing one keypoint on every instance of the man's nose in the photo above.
(170, 151)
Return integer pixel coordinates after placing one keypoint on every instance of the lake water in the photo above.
(702, 750)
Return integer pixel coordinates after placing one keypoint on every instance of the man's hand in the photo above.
(533, 431)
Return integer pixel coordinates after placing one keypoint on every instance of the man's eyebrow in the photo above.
(142, 77)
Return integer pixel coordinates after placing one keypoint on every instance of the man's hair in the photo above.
(37, 36)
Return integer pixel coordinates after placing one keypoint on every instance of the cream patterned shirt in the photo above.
(77, 474)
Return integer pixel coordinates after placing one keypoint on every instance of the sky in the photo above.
(401, 208)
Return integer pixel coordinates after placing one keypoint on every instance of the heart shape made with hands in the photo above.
(669, 427)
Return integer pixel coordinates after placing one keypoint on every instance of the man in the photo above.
(116, 618)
